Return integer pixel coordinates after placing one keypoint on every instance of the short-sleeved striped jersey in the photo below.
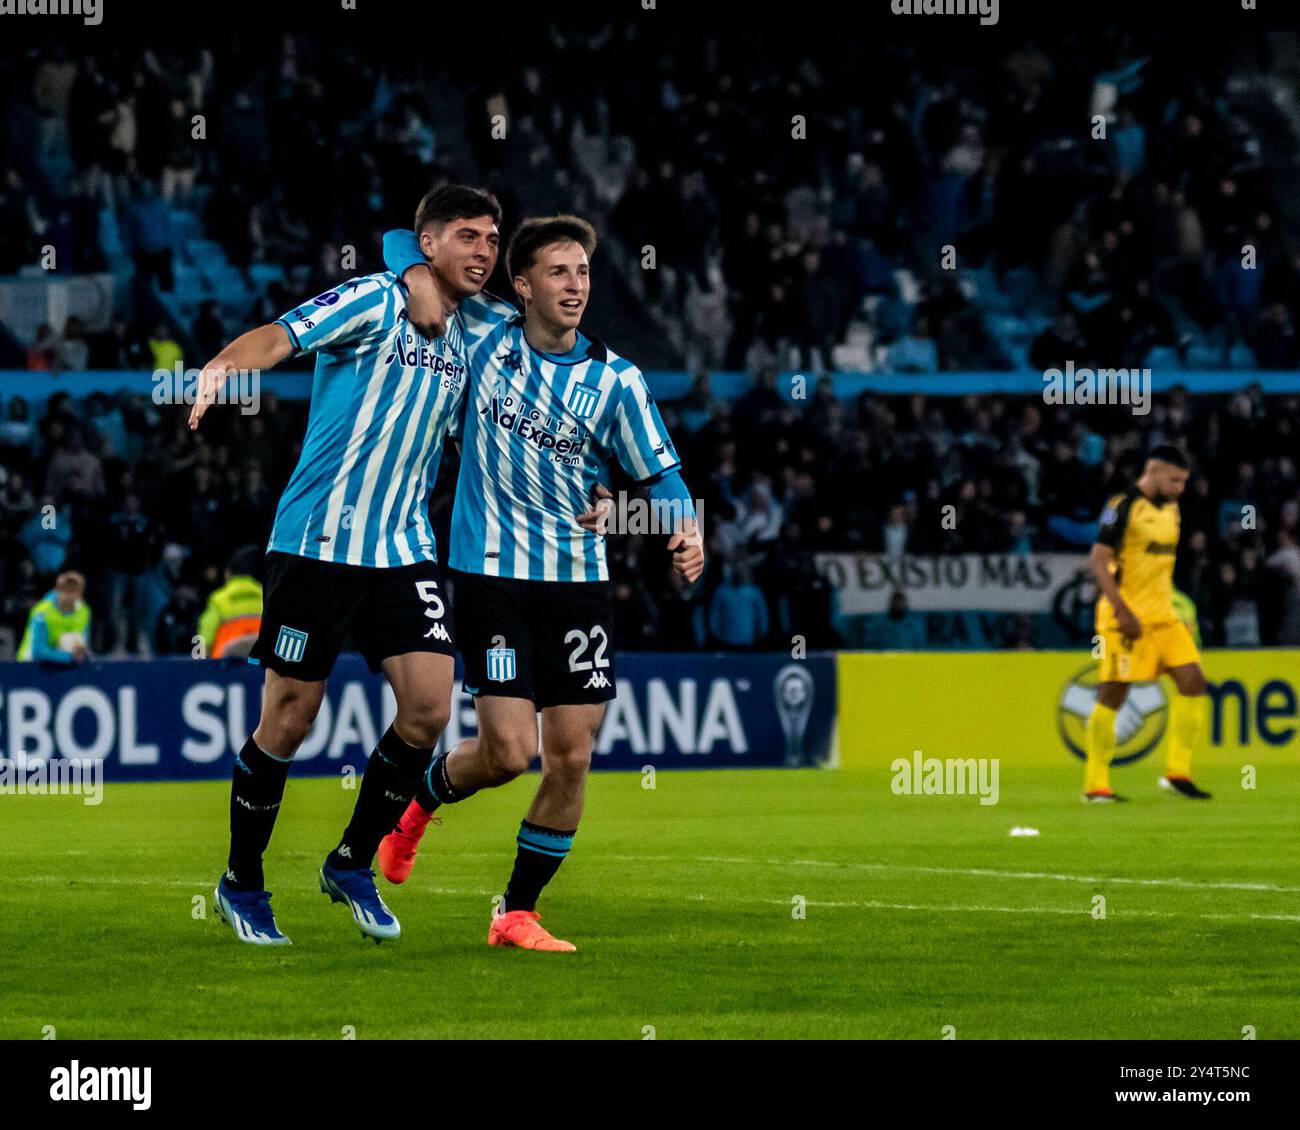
(538, 430)
(382, 399)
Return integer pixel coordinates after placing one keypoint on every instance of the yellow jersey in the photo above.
(1144, 536)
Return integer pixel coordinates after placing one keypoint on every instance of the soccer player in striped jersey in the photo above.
(548, 408)
(352, 553)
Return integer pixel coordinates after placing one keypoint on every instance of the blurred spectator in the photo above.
(46, 536)
(1059, 343)
(231, 621)
(1285, 562)
(758, 513)
(896, 531)
(915, 352)
(208, 332)
(44, 352)
(16, 431)
(129, 557)
(73, 352)
(182, 165)
(900, 629)
(635, 615)
(165, 350)
(148, 230)
(737, 610)
(59, 625)
(118, 347)
(74, 471)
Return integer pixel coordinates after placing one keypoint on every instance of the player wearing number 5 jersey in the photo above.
(548, 409)
(352, 555)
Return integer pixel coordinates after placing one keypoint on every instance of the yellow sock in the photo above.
(1186, 717)
(1101, 748)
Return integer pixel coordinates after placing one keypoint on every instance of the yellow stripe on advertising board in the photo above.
(1028, 708)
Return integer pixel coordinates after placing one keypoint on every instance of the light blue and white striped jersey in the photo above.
(537, 433)
(382, 399)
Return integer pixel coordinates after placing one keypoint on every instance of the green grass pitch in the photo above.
(921, 913)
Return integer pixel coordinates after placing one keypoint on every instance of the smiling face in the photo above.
(462, 253)
(556, 285)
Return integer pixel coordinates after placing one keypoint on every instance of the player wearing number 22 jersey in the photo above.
(547, 410)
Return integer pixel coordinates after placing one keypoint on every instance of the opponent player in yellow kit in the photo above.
(1142, 636)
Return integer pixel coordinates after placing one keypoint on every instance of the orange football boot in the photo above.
(521, 928)
(397, 849)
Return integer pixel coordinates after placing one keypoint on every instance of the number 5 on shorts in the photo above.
(428, 594)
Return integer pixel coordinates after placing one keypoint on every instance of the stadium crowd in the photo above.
(769, 255)
(152, 514)
(1133, 241)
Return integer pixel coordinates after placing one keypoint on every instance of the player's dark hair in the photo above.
(450, 202)
(1168, 453)
(537, 232)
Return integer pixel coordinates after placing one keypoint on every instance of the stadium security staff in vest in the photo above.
(59, 625)
(233, 617)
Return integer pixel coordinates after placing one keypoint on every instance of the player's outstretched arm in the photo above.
(262, 348)
(1099, 561)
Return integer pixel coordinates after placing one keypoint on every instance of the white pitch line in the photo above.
(875, 904)
(200, 886)
(980, 872)
(866, 904)
(976, 872)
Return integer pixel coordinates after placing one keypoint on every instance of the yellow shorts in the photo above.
(1143, 659)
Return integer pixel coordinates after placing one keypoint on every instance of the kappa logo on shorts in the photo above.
(501, 664)
(291, 645)
(438, 632)
(597, 681)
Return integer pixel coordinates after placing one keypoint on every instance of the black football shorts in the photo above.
(313, 609)
(549, 641)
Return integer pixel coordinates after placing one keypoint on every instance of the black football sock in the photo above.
(541, 851)
(436, 788)
(256, 789)
(387, 786)
(424, 795)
